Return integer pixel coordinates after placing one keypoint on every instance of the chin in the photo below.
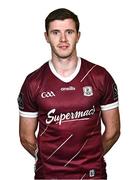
(64, 56)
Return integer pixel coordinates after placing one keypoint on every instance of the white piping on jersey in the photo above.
(69, 78)
(83, 119)
(38, 168)
(44, 131)
(60, 146)
(110, 106)
(83, 176)
(28, 114)
(76, 153)
(88, 72)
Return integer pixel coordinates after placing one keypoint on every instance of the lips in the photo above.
(63, 46)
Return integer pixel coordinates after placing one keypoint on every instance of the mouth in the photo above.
(63, 47)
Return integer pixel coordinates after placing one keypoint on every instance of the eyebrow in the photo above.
(57, 30)
(73, 30)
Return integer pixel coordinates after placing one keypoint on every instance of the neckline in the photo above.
(69, 78)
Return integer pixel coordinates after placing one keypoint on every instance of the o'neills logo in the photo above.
(70, 88)
(51, 117)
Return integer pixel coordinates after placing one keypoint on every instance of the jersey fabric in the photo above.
(69, 115)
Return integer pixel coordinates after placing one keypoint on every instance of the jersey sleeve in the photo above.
(26, 100)
(110, 93)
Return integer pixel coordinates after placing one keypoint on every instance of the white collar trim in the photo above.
(69, 78)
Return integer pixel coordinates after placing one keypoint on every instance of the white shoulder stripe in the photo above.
(88, 72)
(110, 106)
(28, 114)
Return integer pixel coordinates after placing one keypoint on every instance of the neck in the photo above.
(65, 67)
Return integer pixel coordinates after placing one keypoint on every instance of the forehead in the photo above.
(62, 24)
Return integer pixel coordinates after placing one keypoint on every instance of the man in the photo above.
(68, 97)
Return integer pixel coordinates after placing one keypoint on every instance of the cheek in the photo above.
(54, 39)
(73, 39)
(53, 43)
(73, 42)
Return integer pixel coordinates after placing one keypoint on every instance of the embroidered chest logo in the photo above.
(88, 91)
(47, 94)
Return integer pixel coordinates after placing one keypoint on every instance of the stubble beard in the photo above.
(61, 55)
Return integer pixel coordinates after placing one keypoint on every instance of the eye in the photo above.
(55, 32)
(70, 31)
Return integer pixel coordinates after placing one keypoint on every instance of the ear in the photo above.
(46, 37)
(78, 36)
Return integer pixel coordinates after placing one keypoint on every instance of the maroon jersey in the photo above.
(68, 110)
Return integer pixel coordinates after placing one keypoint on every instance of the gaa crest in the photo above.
(88, 91)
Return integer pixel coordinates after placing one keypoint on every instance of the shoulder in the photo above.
(36, 75)
(94, 69)
(97, 74)
(33, 80)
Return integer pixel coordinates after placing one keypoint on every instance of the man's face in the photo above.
(62, 36)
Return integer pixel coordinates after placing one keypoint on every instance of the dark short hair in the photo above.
(61, 14)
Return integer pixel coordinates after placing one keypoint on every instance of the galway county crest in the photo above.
(88, 91)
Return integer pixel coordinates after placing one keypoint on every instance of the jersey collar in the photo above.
(69, 78)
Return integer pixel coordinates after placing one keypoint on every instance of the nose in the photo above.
(63, 37)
